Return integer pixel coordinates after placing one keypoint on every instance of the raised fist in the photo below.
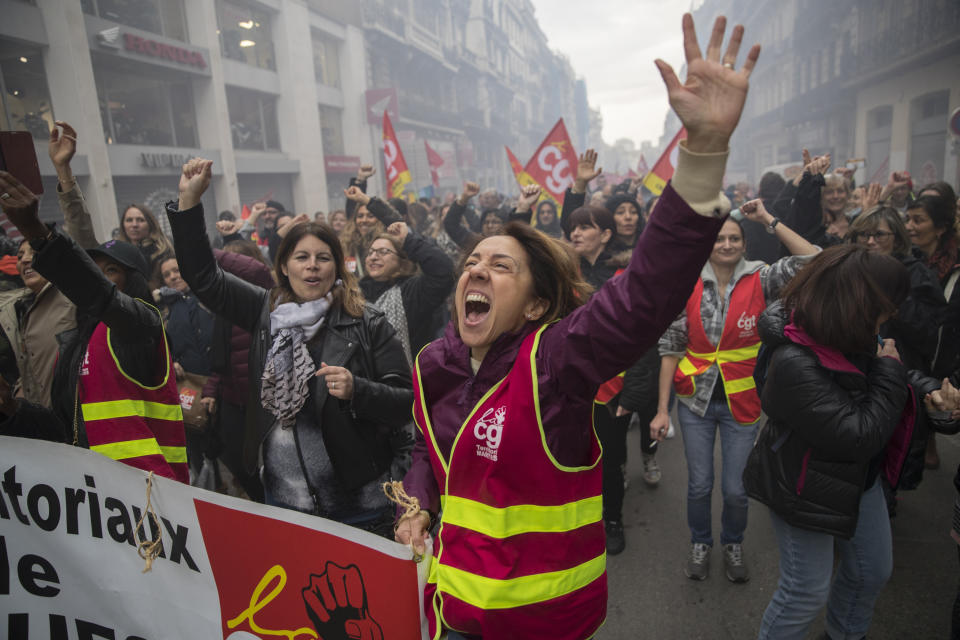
(336, 603)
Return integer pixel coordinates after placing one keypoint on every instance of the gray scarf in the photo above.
(289, 367)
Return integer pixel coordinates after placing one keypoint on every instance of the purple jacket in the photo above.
(577, 354)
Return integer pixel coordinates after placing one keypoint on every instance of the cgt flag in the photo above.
(664, 167)
(523, 178)
(642, 167)
(435, 160)
(554, 163)
(398, 175)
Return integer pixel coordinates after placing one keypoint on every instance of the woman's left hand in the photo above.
(755, 211)
(339, 381)
(946, 398)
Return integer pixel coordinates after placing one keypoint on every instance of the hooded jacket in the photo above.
(832, 425)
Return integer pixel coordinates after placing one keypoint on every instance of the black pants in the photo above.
(955, 624)
(612, 432)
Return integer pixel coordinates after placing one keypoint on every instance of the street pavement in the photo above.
(651, 598)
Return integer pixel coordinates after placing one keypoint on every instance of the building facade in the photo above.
(286, 96)
(272, 91)
(873, 82)
(468, 77)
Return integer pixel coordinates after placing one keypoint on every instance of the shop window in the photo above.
(331, 131)
(146, 110)
(326, 60)
(26, 101)
(928, 136)
(164, 17)
(245, 34)
(253, 119)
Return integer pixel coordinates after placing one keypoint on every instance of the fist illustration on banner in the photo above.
(336, 603)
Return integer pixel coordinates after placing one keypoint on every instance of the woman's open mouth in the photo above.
(476, 308)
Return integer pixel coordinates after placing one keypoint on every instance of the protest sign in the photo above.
(228, 568)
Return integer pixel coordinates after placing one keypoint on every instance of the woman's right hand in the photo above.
(412, 530)
(659, 426)
(889, 349)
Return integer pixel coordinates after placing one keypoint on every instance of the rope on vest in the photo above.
(396, 493)
(149, 549)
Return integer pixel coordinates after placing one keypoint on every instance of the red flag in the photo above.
(554, 164)
(642, 167)
(435, 160)
(664, 167)
(523, 178)
(398, 175)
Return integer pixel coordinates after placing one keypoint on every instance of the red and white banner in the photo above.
(228, 568)
(435, 160)
(664, 167)
(554, 165)
(395, 166)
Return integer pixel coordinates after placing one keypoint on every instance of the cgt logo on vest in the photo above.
(488, 430)
(747, 325)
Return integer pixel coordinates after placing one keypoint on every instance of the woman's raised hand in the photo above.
(755, 211)
(586, 170)
(528, 196)
(400, 230)
(357, 195)
(711, 100)
(194, 181)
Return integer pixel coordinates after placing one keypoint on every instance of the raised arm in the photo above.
(360, 182)
(239, 302)
(529, 195)
(77, 222)
(630, 312)
(434, 284)
(796, 245)
(381, 209)
(452, 223)
(575, 196)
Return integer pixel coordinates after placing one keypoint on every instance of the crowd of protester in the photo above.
(818, 333)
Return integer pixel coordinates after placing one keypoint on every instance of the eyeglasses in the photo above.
(865, 236)
(382, 253)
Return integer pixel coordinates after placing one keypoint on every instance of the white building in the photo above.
(272, 91)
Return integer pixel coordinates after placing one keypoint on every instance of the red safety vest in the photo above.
(126, 421)
(521, 548)
(736, 355)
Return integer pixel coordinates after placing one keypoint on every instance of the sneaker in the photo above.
(670, 430)
(616, 543)
(651, 470)
(698, 564)
(733, 563)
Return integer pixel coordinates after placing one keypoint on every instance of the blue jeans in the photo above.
(736, 442)
(806, 565)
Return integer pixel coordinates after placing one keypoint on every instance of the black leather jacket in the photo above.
(826, 431)
(357, 432)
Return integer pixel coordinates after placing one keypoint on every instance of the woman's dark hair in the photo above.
(553, 266)
(942, 189)
(546, 203)
(492, 212)
(942, 212)
(842, 294)
(348, 294)
(592, 216)
(869, 221)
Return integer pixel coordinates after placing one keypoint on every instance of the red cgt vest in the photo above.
(736, 355)
(126, 421)
(521, 550)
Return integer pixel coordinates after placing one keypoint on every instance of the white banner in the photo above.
(229, 568)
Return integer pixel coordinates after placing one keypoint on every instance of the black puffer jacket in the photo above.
(826, 433)
(356, 433)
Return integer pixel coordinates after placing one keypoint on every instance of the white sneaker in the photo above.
(651, 470)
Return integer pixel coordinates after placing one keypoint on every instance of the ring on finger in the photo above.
(333, 385)
(728, 65)
(4, 195)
